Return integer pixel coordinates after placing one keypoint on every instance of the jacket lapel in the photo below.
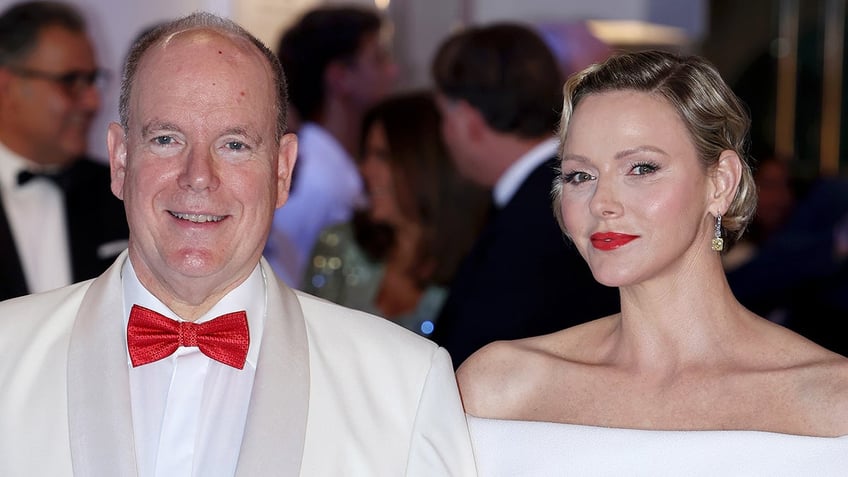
(99, 409)
(275, 431)
(12, 281)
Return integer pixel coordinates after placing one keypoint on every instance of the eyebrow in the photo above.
(158, 126)
(618, 156)
(639, 149)
(242, 131)
(573, 157)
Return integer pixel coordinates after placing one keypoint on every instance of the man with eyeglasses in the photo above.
(59, 222)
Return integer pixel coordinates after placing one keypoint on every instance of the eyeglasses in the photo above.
(73, 83)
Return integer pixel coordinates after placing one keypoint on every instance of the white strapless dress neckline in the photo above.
(524, 448)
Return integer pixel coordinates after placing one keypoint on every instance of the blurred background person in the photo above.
(776, 195)
(499, 89)
(790, 265)
(59, 222)
(798, 276)
(338, 65)
(398, 255)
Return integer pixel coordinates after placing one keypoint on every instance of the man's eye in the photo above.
(236, 145)
(163, 140)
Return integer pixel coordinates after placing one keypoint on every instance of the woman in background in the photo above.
(654, 185)
(398, 255)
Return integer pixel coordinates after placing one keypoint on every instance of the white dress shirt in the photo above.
(36, 215)
(188, 410)
(327, 188)
(511, 180)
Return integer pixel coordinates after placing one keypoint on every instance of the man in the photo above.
(59, 222)
(263, 380)
(338, 66)
(499, 89)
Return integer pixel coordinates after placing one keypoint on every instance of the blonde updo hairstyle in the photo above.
(713, 115)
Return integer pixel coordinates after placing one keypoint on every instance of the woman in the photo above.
(398, 255)
(684, 381)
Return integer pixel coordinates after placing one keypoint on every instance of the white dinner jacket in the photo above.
(337, 392)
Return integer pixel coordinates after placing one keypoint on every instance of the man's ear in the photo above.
(286, 159)
(117, 147)
(472, 122)
(725, 181)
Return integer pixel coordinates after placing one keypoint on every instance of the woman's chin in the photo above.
(612, 279)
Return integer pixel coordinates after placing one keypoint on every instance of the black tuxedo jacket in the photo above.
(522, 277)
(94, 217)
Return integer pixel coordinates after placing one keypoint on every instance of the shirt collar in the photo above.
(511, 180)
(10, 165)
(250, 296)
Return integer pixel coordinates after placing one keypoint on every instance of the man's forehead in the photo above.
(202, 69)
(53, 39)
(152, 114)
(208, 37)
(202, 48)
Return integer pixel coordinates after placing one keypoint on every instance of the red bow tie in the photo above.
(151, 337)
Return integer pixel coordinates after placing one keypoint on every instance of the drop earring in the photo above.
(718, 242)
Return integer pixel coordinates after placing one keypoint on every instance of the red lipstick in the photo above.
(610, 240)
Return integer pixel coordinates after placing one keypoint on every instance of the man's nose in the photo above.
(200, 171)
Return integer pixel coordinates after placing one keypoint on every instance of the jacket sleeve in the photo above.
(440, 444)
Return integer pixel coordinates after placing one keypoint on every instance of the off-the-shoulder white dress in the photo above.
(524, 448)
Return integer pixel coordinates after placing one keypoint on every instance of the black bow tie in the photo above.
(61, 177)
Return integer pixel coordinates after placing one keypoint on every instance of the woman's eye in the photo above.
(644, 168)
(576, 177)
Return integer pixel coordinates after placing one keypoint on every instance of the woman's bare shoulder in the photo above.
(814, 382)
(493, 380)
(822, 386)
(497, 380)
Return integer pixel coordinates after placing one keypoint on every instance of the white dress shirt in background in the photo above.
(512, 179)
(36, 215)
(326, 189)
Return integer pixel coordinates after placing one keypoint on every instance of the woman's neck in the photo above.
(670, 323)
